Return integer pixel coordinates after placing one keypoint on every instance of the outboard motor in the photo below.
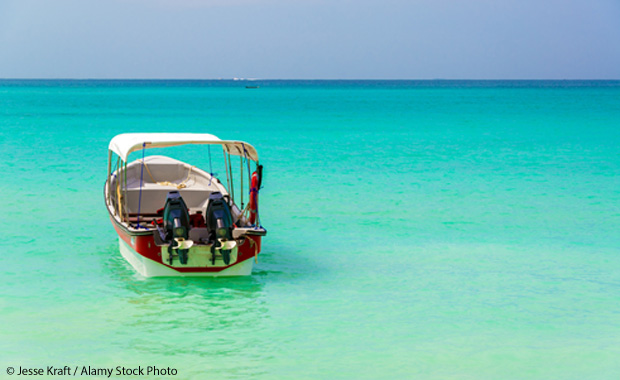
(176, 226)
(220, 226)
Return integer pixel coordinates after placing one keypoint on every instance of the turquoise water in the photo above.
(431, 230)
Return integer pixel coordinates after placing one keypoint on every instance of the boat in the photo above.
(175, 219)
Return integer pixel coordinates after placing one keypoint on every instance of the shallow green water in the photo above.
(431, 230)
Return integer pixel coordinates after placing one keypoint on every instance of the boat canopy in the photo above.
(126, 143)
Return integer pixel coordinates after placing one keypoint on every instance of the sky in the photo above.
(310, 39)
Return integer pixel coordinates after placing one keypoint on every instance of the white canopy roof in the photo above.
(126, 143)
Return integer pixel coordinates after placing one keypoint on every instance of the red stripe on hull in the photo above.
(145, 246)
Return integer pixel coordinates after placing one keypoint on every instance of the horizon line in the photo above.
(313, 79)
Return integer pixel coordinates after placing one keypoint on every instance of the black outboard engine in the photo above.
(176, 225)
(219, 225)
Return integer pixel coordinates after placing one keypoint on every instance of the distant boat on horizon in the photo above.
(252, 86)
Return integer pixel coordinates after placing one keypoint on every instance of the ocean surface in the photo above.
(416, 230)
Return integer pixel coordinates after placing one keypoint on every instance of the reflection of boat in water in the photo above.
(174, 219)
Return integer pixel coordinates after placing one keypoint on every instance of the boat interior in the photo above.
(147, 188)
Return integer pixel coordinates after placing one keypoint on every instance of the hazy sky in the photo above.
(322, 39)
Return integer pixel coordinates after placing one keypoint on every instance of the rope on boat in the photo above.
(242, 213)
(118, 200)
(253, 243)
(114, 176)
(210, 166)
(181, 185)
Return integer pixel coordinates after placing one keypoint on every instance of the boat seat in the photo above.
(154, 198)
(143, 221)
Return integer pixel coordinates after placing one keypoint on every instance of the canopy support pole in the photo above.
(232, 180)
(117, 208)
(109, 175)
(126, 213)
(241, 174)
(226, 168)
(245, 154)
(210, 166)
(141, 176)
